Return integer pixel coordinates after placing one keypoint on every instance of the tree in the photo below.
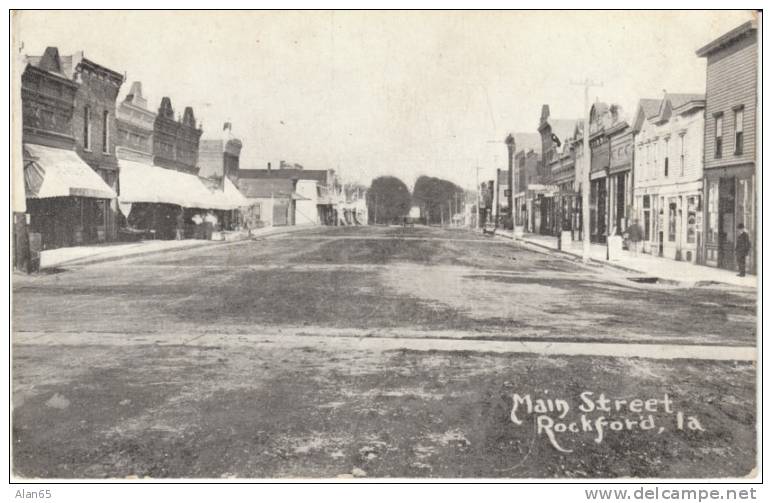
(388, 200)
(437, 198)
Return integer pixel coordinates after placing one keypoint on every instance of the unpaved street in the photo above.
(384, 352)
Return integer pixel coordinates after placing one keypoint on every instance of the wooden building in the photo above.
(731, 104)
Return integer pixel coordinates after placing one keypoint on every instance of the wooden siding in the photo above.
(731, 82)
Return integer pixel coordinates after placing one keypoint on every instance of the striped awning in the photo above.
(56, 172)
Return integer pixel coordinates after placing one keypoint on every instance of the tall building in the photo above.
(731, 103)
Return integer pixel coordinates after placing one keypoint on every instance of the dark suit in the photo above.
(741, 250)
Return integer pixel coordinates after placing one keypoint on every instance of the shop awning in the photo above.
(56, 172)
(229, 198)
(146, 183)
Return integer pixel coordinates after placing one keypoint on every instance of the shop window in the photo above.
(646, 218)
(692, 209)
(719, 134)
(738, 131)
(672, 219)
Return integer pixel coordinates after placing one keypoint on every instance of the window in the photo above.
(692, 207)
(654, 156)
(672, 214)
(738, 131)
(667, 156)
(719, 134)
(681, 140)
(105, 135)
(646, 218)
(87, 127)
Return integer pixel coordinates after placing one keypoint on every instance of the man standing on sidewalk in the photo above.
(634, 235)
(742, 248)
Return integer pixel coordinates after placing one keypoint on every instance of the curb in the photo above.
(97, 259)
(681, 283)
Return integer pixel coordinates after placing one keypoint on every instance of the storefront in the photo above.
(163, 203)
(619, 192)
(729, 201)
(67, 202)
(671, 221)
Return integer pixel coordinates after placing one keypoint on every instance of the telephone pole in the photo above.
(585, 178)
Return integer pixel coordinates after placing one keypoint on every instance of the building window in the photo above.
(692, 208)
(87, 127)
(683, 153)
(738, 131)
(105, 134)
(672, 219)
(646, 218)
(719, 134)
(667, 156)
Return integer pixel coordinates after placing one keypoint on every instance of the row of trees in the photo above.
(389, 200)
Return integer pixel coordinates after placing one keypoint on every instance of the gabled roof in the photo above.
(563, 128)
(727, 38)
(650, 106)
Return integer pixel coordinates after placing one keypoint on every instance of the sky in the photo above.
(371, 93)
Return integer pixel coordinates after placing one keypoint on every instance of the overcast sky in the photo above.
(374, 93)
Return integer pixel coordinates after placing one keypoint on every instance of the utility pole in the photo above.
(585, 179)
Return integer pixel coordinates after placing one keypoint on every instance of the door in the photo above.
(621, 197)
(280, 212)
(726, 223)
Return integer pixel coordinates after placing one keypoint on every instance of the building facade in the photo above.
(95, 130)
(731, 104)
(620, 178)
(558, 168)
(668, 176)
(176, 142)
(134, 123)
(68, 202)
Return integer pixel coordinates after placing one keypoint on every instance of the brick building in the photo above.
(68, 203)
(731, 103)
(557, 160)
(176, 142)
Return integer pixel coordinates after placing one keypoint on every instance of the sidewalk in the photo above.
(80, 255)
(684, 273)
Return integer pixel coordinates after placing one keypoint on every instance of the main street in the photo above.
(378, 351)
